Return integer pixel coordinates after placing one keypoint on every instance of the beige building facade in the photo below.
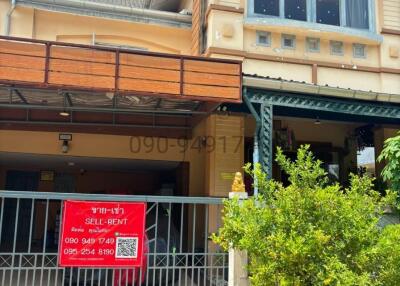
(234, 29)
(167, 99)
(282, 47)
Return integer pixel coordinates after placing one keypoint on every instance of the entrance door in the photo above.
(18, 181)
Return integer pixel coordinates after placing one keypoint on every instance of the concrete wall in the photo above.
(210, 165)
(47, 25)
(113, 146)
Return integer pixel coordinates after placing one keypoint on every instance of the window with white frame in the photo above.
(356, 14)
(312, 45)
(296, 10)
(359, 51)
(328, 12)
(288, 41)
(337, 48)
(267, 7)
(263, 38)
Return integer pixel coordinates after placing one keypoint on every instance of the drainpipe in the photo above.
(256, 154)
(8, 18)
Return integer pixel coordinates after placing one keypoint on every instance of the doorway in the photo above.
(17, 211)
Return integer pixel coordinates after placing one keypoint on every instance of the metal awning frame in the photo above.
(67, 105)
(261, 103)
(114, 108)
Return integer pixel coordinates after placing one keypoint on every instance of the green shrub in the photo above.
(312, 233)
(391, 154)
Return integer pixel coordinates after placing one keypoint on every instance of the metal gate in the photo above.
(179, 251)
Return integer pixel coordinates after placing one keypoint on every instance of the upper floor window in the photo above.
(312, 45)
(296, 10)
(267, 7)
(288, 41)
(263, 38)
(346, 13)
(337, 48)
(359, 51)
(328, 12)
(357, 14)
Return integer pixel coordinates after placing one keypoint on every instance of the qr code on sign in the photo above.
(126, 247)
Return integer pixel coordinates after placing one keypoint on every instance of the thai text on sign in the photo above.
(102, 234)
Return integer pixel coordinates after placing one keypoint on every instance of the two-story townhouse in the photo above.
(106, 98)
(102, 113)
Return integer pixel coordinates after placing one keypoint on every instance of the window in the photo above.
(288, 41)
(337, 48)
(296, 10)
(267, 7)
(263, 38)
(359, 51)
(312, 45)
(328, 12)
(357, 14)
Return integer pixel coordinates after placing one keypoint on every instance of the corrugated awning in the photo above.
(279, 84)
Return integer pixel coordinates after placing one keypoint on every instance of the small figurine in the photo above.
(238, 185)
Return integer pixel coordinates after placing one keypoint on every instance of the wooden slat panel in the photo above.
(211, 79)
(211, 67)
(82, 67)
(87, 81)
(19, 74)
(149, 86)
(211, 91)
(149, 73)
(195, 43)
(81, 54)
(149, 61)
(391, 14)
(19, 61)
(20, 48)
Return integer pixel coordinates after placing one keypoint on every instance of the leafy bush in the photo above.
(391, 154)
(312, 233)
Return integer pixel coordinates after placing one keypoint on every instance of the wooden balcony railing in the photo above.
(55, 65)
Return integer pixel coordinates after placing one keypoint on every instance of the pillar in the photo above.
(265, 138)
(238, 260)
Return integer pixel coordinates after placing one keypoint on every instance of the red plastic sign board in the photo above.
(102, 234)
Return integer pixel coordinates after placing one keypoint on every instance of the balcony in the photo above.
(110, 87)
(167, 12)
(57, 65)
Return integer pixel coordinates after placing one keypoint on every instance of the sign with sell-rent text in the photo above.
(102, 234)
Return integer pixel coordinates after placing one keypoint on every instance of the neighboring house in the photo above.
(323, 72)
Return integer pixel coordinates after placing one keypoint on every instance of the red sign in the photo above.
(102, 234)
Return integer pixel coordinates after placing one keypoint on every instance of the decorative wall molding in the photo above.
(390, 32)
(223, 8)
(256, 56)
